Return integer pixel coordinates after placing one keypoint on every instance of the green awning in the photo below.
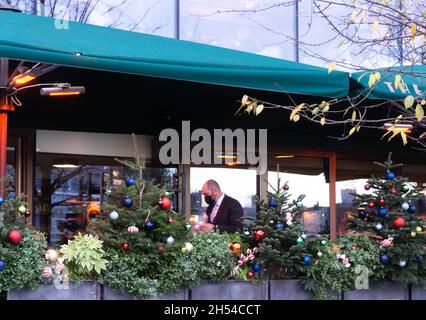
(35, 38)
(413, 83)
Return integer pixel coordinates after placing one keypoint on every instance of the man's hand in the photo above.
(206, 227)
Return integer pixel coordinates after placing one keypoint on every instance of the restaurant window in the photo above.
(236, 183)
(352, 175)
(67, 199)
(306, 176)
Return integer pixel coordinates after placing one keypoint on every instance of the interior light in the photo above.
(284, 156)
(233, 163)
(403, 127)
(65, 163)
(225, 156)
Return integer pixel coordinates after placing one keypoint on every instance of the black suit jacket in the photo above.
(228, 216)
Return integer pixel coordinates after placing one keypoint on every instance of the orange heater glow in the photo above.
(69, 93)
(23, 78)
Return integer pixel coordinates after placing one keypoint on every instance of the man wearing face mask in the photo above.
(224, 213)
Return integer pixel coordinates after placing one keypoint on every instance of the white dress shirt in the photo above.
(216, 208)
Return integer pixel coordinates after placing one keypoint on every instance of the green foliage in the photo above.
(84, 255)
(126, 272)
(211, 257)
(332, 271)
(279, 252)
(406, 244)
(24, 262)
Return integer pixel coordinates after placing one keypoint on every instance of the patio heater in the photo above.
(18, 80)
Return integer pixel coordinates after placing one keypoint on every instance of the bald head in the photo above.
(211, 188)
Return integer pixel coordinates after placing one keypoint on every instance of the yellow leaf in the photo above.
(423, 102)
(244, 100)
(352, 131)
(413, 29)
(377, 76)
(353, 115)
(296, 110)
(375, 26)
(358, 128)
(397, 81)
(420, 113)
(259, 109)
(404, 138)
(354, 14)
(408, 101)
(371, 80)
(331, 66)
(322, 121)
(296, 118)
(395, 132)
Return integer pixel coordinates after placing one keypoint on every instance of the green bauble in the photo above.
(405, 188)
(323, 242)
(299, 240)
(188, 227)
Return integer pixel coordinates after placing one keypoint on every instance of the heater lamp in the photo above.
(62, 91)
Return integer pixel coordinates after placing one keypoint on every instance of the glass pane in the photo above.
(68, 199)
(307, 176)
(148, 16)
(262, 27)
(236, 183)
(352, 176)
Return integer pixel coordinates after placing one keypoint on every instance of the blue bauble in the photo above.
(130, 182)
(272, 202)
(390, 175)
(2, 265)
(412, 208)
(307, 260)
(418, 259)
(1, 200)
(256, 267)
(127, 202)
(299, 205)
(279, 226)
(362, 214)
(405, 206)
(149, 225)
(383, 212)
(384, 259)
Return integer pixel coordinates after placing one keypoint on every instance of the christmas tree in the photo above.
(279, 235)
(138, 216)
(387, 214)
(21, 247)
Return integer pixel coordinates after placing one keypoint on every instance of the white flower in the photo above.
(348, 265)
(338, 256)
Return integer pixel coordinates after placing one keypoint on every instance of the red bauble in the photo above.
(367, 187)
(393, 191)
(398, 222)
(28, 213)
(125, 246)
(169, 220)
(14, 236)
(371, 205)
(250, 274)
(259, 235)
(160, 249)
(382, 202)
(286, 187)
(165, 203)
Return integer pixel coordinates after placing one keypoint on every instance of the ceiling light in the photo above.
(284, 156)
(65, 163)
(23, 78)
(403, 127)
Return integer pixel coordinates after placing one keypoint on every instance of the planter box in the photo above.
(292, 289)
(113, 294)
(86, 290)
(392, 291)
(418, 293)
(231, 290)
